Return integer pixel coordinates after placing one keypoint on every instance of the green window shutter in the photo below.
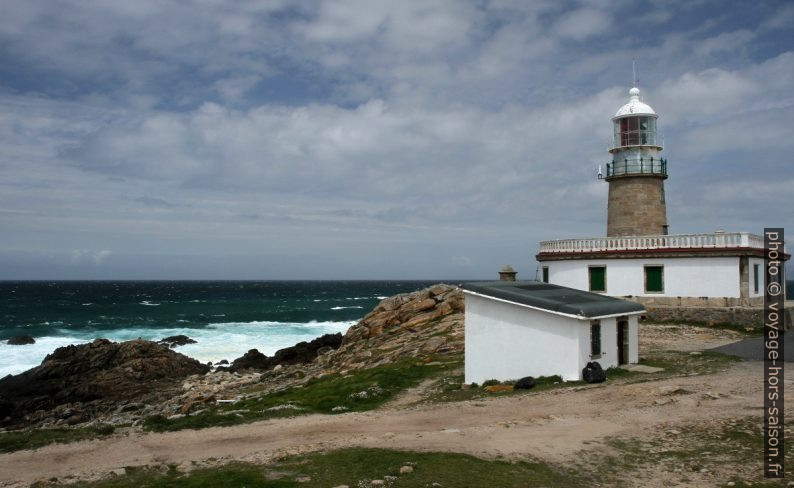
(545, 274)
(595, 338)
(598, 278)
(654, 280)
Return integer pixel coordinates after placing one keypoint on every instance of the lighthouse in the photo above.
(703, 277)
(636, 174)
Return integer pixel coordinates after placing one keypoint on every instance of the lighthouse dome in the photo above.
(635, 106)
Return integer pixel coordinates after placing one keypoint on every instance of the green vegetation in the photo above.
(16, 440)
(449, 387)
(744, 329)
(688, 363)
(703, 447)
(357, 391)
(353, 466)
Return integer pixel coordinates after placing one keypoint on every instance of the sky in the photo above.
(365, 139)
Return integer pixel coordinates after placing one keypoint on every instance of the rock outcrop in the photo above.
(80, 381)
(21, 340)
(121, 383)
(428, 321)
(177, 340)
(411, 325)
(300, 353)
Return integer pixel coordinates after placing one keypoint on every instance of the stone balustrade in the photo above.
(717, 240)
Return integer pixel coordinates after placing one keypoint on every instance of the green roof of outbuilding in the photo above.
(554, 298)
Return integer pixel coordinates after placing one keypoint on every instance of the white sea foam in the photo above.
(342, 308)
(228, 340)
(150, 304)
(16, 359)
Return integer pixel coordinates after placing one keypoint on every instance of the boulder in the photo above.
(421, 305)
(98, 375)
(21, 340)
(253, 359)
(525, 383)
(177, 340)
(433, 344)
(300, 353)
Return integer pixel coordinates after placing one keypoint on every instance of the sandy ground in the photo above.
(553, 425)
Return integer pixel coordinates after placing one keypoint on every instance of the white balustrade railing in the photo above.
(684, 241)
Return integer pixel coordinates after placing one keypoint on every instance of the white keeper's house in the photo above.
(527, 328)
(709, 277)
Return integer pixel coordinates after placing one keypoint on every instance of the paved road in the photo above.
(753, 348)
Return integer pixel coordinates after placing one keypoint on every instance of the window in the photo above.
(756, 276)
(598, 278)
(545, 274)
(654, 279)
(595, 338)
(636, 130)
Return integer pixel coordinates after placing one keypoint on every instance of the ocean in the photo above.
(226, 318)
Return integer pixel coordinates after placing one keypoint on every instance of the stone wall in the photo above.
(707, 302)
(636, 206)
(749, 317)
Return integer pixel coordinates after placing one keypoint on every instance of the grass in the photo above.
(357, 391)
(687, 363)
(356, 467)
(744, 329)
(449, 387)
(16, 440)
(711, 445)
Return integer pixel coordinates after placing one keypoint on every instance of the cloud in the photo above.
(353, 128)
(96, 258)
(583, 23)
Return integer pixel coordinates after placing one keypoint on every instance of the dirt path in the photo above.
(551, 425)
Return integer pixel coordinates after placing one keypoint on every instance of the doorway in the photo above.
(623, 341)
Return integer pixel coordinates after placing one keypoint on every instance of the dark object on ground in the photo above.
(21, 340)
(593, 373)
(300, 353)
(177, 340)
(75, 382)
(525, 383)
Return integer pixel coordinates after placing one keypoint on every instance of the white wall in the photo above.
(683, 277)
(609, 343)
(507, 342)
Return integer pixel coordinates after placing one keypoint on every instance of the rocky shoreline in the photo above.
(121, 384)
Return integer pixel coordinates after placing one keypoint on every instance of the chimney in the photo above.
(507, 273)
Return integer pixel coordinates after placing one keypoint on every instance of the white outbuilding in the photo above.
(526, 328)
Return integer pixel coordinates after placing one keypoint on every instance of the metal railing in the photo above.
(639, 166)
(716, 240)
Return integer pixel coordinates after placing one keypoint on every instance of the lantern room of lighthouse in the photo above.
(636, 174)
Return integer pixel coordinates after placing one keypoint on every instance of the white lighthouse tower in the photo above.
(636, 174)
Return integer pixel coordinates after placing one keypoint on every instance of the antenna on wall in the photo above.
(635, 80)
